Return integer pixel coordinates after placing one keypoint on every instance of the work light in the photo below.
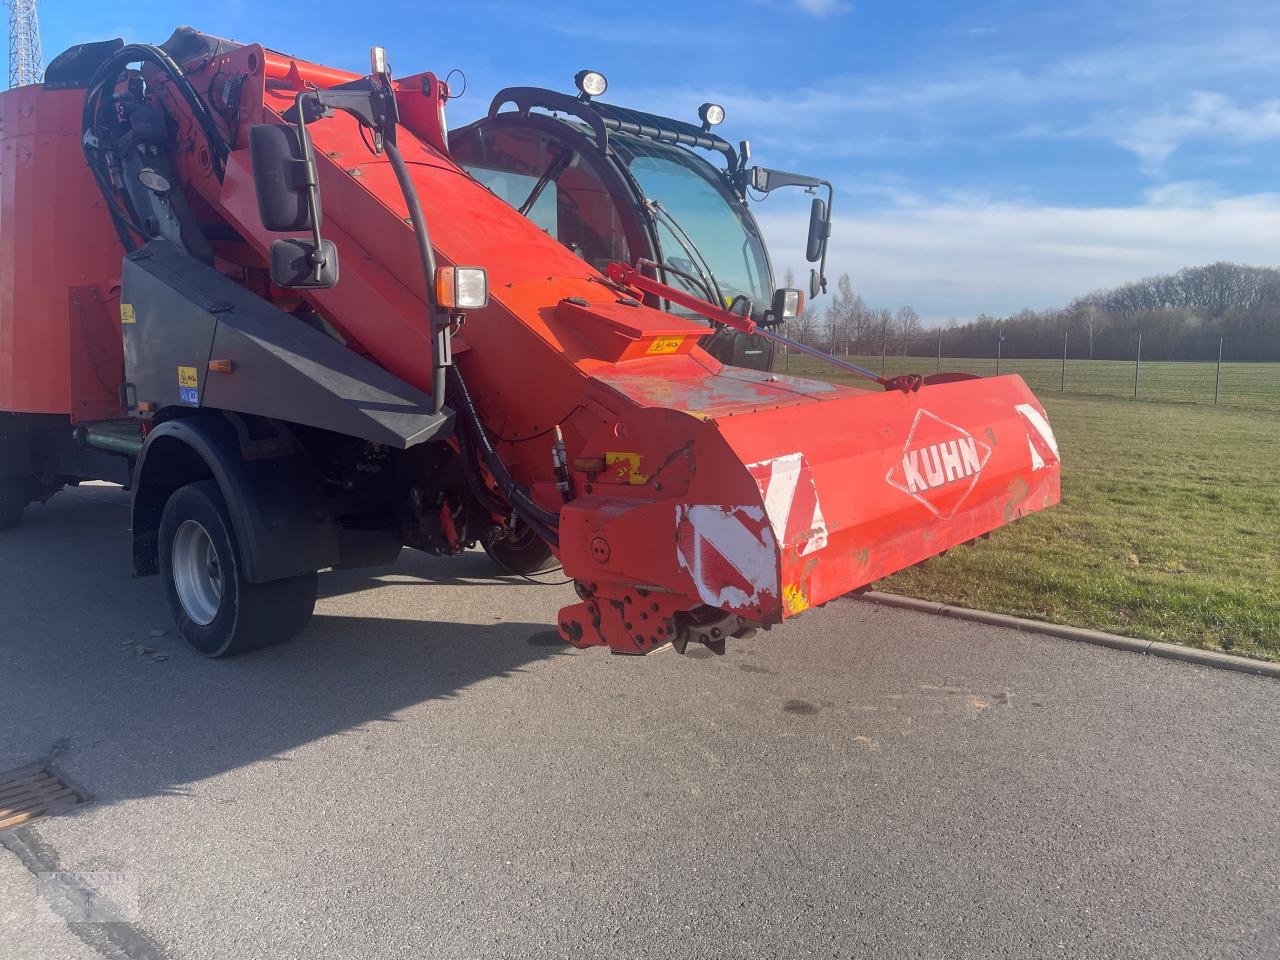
(590, 83)
(462, 288)
(710, 114)
(787, 304)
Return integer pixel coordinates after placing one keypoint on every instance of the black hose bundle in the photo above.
(472, 432)
(105, 76)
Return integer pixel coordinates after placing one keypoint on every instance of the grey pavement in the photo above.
(428, 772)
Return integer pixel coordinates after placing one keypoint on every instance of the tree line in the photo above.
(849, 325)
(1179, 315)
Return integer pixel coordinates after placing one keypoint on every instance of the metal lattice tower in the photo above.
(26, 60)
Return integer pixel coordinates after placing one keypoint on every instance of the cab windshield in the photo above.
(702, 231)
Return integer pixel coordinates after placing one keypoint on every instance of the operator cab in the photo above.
(619, 185)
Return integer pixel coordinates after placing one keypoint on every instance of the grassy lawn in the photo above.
(1169, 529)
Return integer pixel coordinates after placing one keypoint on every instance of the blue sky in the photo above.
(987, 155)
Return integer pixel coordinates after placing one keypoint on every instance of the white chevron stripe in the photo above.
(781, 493)
(1037, 420)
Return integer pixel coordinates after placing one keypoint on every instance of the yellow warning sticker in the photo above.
(126, 313)
(625, 466)
(794, 598)
(187, 377)
(665, 345)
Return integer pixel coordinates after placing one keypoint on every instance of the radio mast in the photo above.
(26, 61)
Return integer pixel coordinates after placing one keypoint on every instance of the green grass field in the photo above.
(1169, 527)
(1254, 385)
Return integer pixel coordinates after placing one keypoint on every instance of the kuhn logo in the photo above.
(940, 464)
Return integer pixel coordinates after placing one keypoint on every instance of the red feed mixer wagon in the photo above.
(306, 325)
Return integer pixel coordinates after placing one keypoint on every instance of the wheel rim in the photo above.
(197, 575)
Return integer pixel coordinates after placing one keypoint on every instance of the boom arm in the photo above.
(629, 276)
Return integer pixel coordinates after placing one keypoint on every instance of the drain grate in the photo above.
(31, 793)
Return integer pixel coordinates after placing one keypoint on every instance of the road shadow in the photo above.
(470, 569)
(83, 681)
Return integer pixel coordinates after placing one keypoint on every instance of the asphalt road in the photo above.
(428, 772)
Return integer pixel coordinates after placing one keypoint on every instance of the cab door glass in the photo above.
(703, 232)
(515, 188)
(570, 198)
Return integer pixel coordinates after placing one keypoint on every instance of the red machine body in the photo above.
(59, 262)
(707, 500)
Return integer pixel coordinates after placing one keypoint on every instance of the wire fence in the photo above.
(1205, 370)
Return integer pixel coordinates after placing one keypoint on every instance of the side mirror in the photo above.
(819, 230)
(817, 284)
(284, 177)
(299, 262)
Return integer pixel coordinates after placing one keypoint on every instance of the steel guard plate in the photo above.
(860, 487)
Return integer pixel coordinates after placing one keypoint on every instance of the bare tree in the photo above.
(844, 306)
(861, 323)
(907, 326)
(805, 326)
(884, 327)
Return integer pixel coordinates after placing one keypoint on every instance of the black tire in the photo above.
(523, 553)
(244, 616)
(13, 500)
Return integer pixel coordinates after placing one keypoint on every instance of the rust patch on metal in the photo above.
(1018, 493)
(33, 792)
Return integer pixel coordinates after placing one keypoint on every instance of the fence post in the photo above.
(1217, 376)
(939, 351)
(1137, 365)
(884, 346)
(999, 350)
(1063, 387)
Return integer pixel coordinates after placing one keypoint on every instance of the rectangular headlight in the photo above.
(787, 303)
(462, 288)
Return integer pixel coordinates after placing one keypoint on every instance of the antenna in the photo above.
(26, 61)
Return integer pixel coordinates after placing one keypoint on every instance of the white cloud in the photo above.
(1119, 93)
(821, 8)
(961, 257)
(1204, 116)
(1185, 193)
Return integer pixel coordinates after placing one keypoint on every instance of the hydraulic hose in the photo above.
(147, 53)
(481, 492)
(106, 73)
(428, 259)
(543, 522)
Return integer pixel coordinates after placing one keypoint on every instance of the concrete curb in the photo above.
(1170, 651)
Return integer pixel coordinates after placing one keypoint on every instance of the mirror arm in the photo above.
(766, 180)
(822, 266)
(313, 187)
